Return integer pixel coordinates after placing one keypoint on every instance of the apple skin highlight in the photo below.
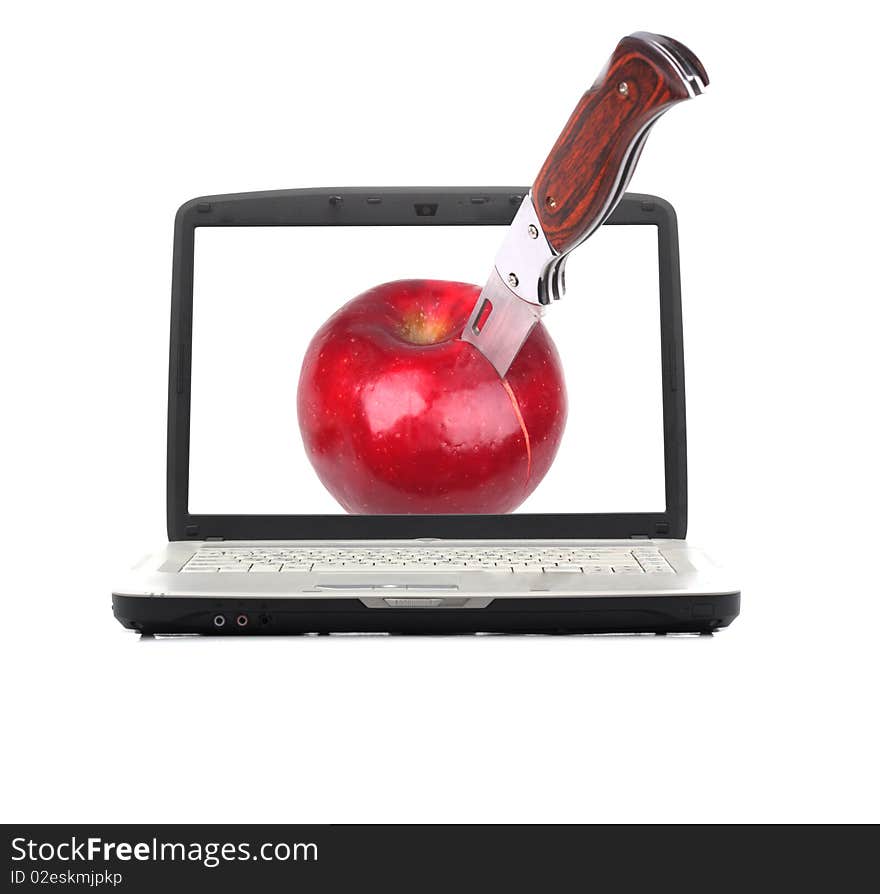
(399, 416)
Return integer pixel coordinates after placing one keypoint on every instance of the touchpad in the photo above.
(388, 582)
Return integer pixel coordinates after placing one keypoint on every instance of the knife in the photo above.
(580, 184)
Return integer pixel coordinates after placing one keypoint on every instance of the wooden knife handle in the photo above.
(588, 168)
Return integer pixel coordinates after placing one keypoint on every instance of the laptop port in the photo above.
(219, 620)
(265, 620)
(241, 620)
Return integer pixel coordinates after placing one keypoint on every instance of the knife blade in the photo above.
(579, 185)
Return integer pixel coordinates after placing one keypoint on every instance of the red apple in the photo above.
(399, 415)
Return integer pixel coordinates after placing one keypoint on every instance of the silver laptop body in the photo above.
(325, 573)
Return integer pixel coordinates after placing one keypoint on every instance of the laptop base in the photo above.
(690, 613)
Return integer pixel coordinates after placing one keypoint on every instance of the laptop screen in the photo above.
(385, 411)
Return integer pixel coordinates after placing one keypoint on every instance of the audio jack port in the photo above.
(241, 620)
(219, 620)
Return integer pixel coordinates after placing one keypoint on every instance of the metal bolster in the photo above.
(525, 262)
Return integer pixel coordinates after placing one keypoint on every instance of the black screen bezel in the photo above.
(404, 206)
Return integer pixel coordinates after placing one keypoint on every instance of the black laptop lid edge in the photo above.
(419, 206)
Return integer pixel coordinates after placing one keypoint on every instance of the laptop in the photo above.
(257, 543)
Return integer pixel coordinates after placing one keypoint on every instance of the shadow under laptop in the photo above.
(359, 635)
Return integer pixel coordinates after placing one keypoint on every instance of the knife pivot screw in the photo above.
(623, 88)
(512, 279)
(533, 231)
(551, 202)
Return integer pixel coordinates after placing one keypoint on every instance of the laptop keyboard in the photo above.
(515, 560)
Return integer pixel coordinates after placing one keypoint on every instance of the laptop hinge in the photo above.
(639, 537)
(213, 538)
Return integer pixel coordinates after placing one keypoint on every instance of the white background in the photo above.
(260, 294)
(115, 113)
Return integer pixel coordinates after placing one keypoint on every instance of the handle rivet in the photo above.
(623, 88)
(512, 279)
(533, 231)
(551, 202)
